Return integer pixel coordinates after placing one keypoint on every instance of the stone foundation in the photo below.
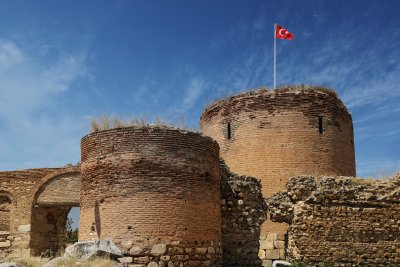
(199, 253)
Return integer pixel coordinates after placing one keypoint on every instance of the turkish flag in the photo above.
(282, 33)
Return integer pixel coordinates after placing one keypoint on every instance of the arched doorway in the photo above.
(53, 200)
(5, 211)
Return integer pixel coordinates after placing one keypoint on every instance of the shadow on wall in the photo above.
(48, 230)
(243, 212)
(97, 219)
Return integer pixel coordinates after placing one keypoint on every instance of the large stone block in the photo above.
(159, 249)
(24, 228)
(88, 249)
(5, 244)
(267, 244)
(272, 254)
(279, 244)
(261, 254)
(272, 236)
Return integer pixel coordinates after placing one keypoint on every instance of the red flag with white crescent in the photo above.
(283, 33)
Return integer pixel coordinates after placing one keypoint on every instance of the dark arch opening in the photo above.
(229, 131)
(5, 212)
(320, 126)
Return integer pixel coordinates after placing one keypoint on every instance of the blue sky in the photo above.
(63, 62)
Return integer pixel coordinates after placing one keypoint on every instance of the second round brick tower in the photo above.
(276, 134)
(155, 192)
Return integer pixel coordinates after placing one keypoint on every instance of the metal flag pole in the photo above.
(274, 55)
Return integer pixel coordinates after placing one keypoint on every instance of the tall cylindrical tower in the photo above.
(154, 191)
(276, 134)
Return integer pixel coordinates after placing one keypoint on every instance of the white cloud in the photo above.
(193, 92)
(58, 77)
(10, 55)
(25, 85)
(37, 133)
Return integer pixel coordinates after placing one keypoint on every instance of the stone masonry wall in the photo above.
(243, 212)
(341, 221)
(155, 192)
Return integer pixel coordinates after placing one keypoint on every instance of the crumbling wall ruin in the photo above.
(341, 221)
(243, 211)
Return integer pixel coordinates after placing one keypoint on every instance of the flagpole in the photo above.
(274, 55)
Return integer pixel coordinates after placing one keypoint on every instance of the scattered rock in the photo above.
(88, 249)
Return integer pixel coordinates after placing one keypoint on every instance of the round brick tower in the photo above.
(276, 134)
(154, 191)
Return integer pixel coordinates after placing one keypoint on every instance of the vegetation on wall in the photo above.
(108, 122)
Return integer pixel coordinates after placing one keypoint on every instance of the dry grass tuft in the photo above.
(363, 181)
(279, 89)
(105, 122)
(64, 262)
(30, 261)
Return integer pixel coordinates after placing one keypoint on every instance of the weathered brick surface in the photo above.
(62, 190)
(342, 221)
(20, 191)
(275, 134)
(147, 186)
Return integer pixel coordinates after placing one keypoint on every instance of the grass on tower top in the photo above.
(108, 122)
(279, 89)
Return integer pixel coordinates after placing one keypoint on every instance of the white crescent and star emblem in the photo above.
(282, 32)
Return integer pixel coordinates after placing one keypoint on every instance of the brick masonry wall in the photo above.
(275, 134)
(18, 187)
(21, 189)
(63, 190)
(341, 221)
(243, 212)
(153, 188)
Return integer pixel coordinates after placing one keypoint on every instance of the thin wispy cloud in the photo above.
(27, 89)
(193, 92)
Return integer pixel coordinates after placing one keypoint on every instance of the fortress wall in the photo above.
(243, 211)
(276, 134)
(16, 188)
(341, 221)
(155, 192)
(28, 225)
